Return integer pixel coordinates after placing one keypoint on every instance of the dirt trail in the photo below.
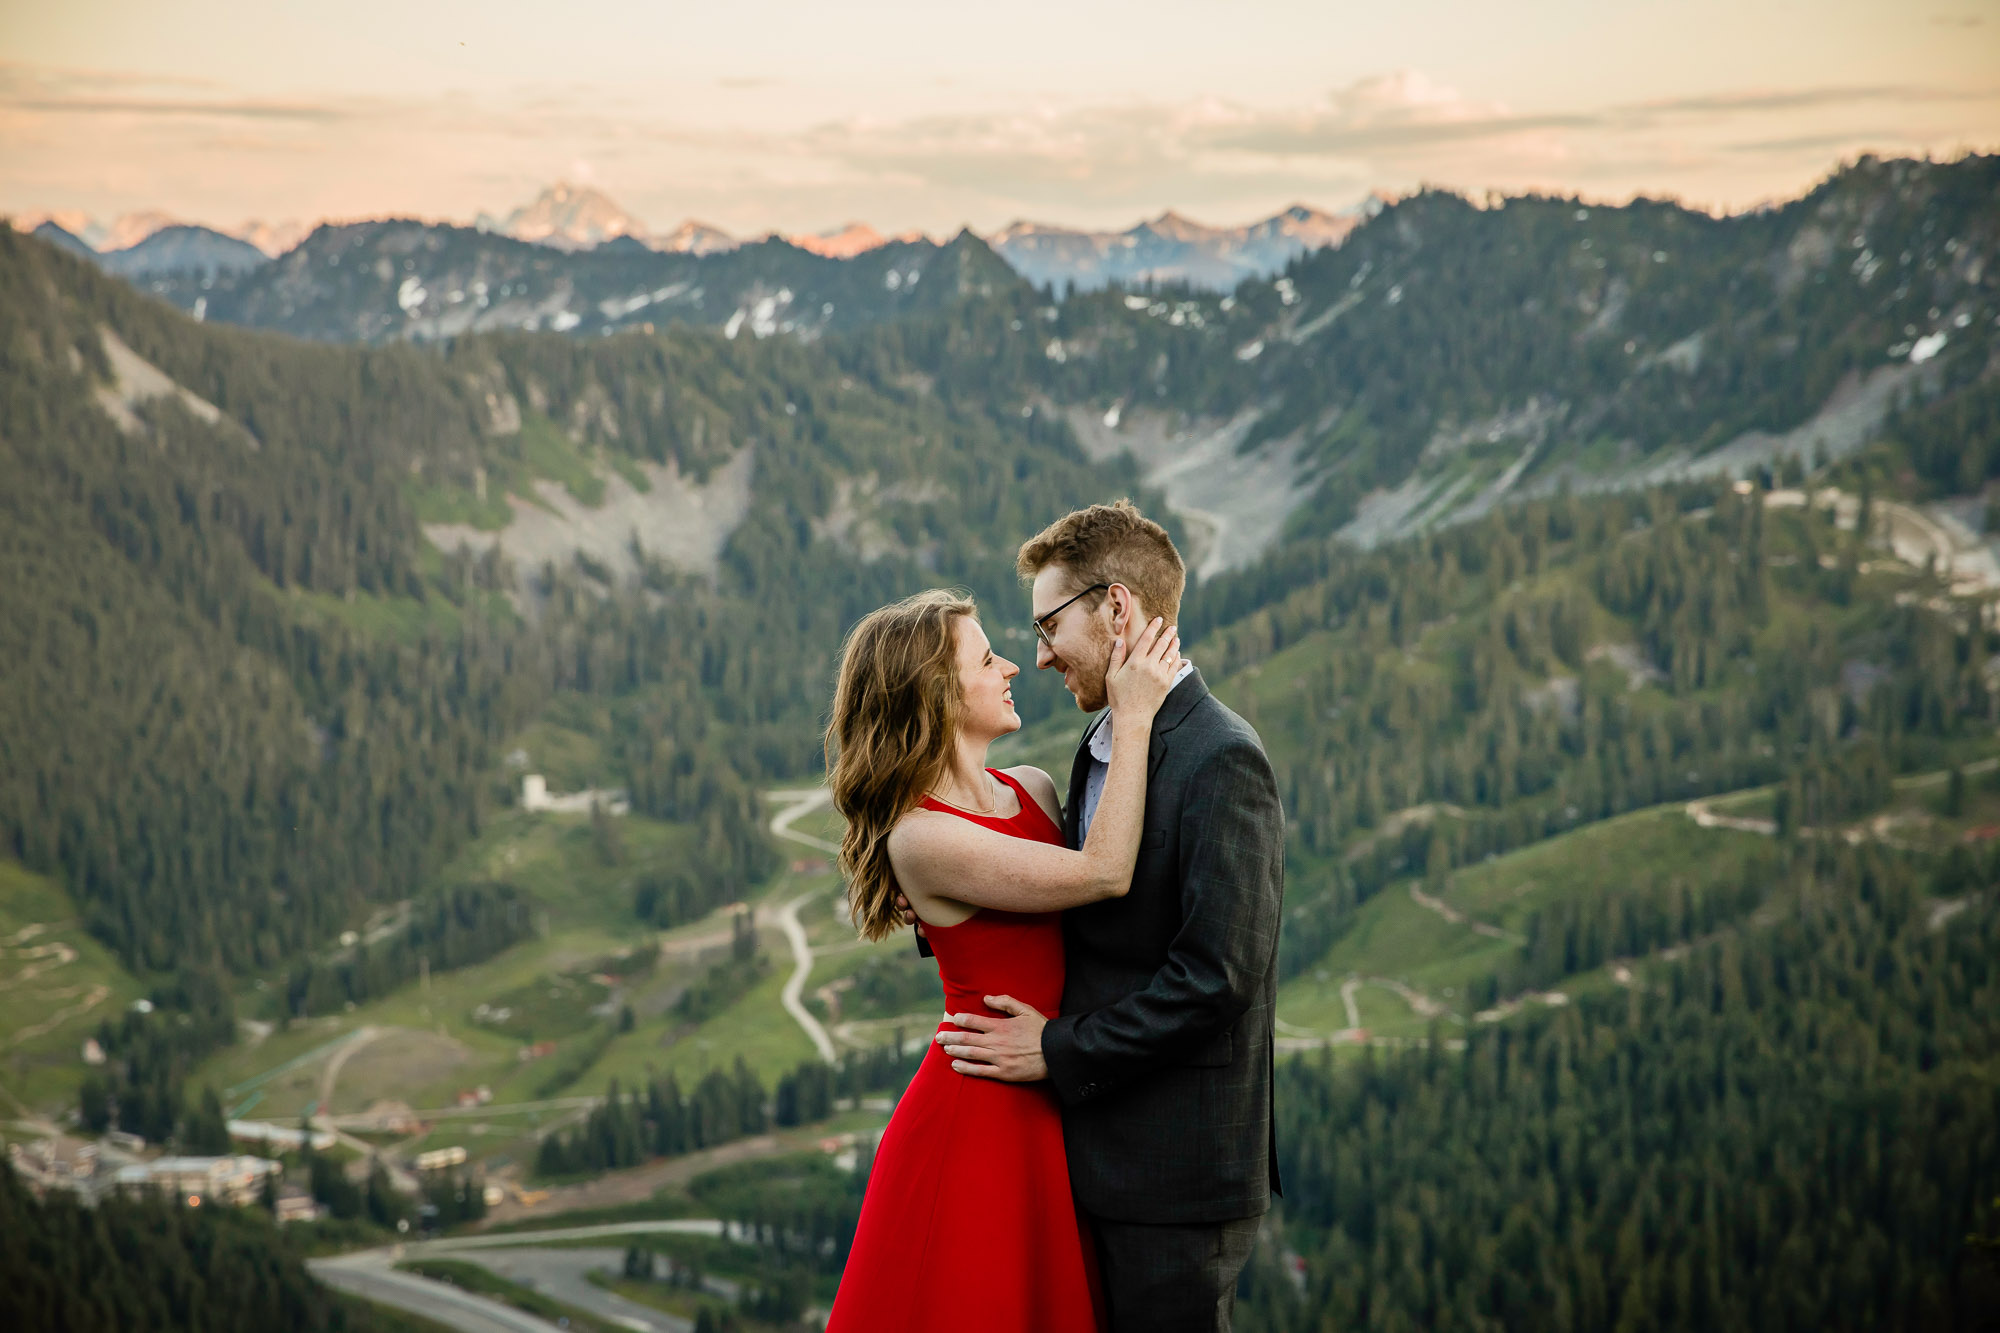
(367, 1121)
(43, 959)
(49, 956)
(1704, 817)
(330, 1076)
(1458, 918)
(1948, 909)
(1877, 828)
(90, 1001)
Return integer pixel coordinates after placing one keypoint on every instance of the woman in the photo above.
(968, 1223)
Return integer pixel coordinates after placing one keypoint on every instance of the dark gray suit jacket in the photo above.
(1163, 1054)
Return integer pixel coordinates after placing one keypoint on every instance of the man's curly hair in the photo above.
(1112, 543)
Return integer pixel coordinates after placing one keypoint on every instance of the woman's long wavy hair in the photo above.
(895, 717)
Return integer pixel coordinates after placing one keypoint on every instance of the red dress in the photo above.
(968, 1225)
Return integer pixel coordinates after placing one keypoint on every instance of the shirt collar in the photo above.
(1100, 740)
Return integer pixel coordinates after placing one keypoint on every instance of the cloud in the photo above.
(23, 79)
(51, 91)
(113, 106)
(1802, 98)
(1396, 130)
(1835, 142)
(1407, 112)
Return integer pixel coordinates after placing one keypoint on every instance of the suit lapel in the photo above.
(1172, 713)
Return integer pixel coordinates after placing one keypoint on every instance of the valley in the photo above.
(471, 1058)
(416, 731)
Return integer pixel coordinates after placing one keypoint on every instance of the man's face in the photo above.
(1079, 639)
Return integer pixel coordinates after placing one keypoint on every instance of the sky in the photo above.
(757, 115)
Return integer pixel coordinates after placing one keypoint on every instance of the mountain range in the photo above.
(1173, 249)
(129, 229)
(418, 281)
(573, 218)
(1568, 344)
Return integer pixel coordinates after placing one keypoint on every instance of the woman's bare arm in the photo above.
(942, 860)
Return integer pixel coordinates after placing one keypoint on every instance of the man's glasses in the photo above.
(1045, 624)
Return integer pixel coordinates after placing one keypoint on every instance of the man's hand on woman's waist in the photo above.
(1008, 1049)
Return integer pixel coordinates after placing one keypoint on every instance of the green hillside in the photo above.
(58, 983)
(1560, 663)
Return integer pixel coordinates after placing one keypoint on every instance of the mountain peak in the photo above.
(695, 238)
(842, 242)
(1178, 226)
(133, 228)
(568, 217)
(55, 233)
(273, 238)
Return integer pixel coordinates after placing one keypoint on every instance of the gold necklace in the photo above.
(970, 810)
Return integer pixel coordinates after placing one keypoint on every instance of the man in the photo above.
(1162, 1056)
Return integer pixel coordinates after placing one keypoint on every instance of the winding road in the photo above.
(797, 803)
(795, 985)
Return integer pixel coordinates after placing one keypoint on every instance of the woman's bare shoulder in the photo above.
(1040, 786)
(919, 827)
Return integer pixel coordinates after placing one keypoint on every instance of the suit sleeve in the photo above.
(1231, 886)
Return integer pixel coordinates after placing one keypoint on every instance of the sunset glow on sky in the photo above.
(760, 115)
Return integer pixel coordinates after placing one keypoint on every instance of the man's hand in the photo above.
(1009, 1049)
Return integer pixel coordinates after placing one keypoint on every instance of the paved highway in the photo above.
(683, 1226)
(372, 1276)
(564, 1275)
(560, 1274)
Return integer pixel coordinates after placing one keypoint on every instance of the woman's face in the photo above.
(985, 681)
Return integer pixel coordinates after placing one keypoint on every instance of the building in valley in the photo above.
(199, 1180)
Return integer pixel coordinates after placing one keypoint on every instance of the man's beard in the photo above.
(1091, 694)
